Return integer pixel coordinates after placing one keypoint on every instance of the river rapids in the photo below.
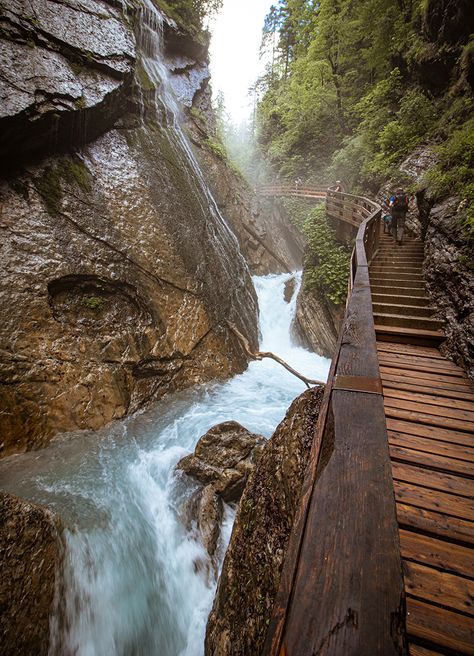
(131, 587)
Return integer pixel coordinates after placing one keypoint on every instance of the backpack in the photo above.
(400, 201)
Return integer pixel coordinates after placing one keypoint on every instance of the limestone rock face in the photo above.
(450, 281)
(30, 556)
(251, 572)
(267, 239)
(224, 457)
(118, 274)
(66, 67)
(317, 321)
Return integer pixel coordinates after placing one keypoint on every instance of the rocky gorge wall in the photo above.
(119, 276)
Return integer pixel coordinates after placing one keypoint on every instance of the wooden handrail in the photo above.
(341, 590)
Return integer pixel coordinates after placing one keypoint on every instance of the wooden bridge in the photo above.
(380, 560)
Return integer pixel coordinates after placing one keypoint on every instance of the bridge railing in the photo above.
(296, 191)
(341, 590)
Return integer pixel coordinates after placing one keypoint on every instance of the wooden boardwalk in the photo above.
(380, 560)
(429, 409)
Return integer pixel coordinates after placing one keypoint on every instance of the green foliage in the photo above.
(217, 148)
(298, 210)
(190, 14)
(327, 264)
(93, 302)
(455, 173)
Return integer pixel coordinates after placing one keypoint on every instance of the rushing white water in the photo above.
(131, 585)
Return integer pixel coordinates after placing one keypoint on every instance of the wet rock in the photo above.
(250, 576)
(449, 273)
(67, 69)
(289, 290)
(118, 288)
(30, 557)
(202, 513)
(224, 457)
(267, 239)
(317, 321)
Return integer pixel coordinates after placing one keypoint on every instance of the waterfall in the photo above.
(130, 582)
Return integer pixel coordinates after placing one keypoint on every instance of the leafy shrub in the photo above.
(327, 263)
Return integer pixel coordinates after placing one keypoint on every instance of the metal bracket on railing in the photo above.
(358, 384)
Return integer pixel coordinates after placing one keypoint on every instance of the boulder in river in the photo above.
(221, 463)
(30, 556)
(251, 572)
(224, 456)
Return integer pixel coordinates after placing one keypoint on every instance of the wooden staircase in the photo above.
(429, 410)
(400, 304)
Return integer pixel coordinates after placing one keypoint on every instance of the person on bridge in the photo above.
(298, 182)
(339, 186)
(399, 204)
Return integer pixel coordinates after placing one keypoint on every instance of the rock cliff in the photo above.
(30, 557)
(317, 321)
(119, 275)
(250, 576)
(268, 240)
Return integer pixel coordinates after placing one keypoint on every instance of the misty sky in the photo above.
(236, 37)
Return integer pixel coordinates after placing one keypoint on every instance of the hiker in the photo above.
(297, 183)
(387, 223)
(338, 186)
(399, 207)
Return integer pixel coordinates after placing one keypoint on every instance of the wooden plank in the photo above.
(441, 389)
(437, 553)
(440, 627)
(455, 485)
(428, 408)
(420, 351)
(432, 432)
(441, 588)
(429, 419)
(435, 523)
(420, 358)
(425, 376)
(422, 364)
(421, 497)
(416, 650)
(430, 399)
(431, 461)
(363, 597)
(429, 445)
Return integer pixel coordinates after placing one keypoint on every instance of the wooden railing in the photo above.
(341, 590)
(295, 191)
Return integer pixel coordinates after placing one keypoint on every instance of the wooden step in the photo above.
(403, 310)
(377, 278)
(410, 321)
(419, 292)
(398, 274)
(396, 266)
(420, 301)
(416, 336)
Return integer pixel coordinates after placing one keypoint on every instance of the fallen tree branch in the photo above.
(259, 355)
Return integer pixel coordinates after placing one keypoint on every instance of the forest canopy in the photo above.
(351, 88)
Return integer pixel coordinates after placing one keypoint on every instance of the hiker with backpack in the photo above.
(398, 209)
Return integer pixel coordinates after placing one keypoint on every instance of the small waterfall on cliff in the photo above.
(153, 63)
(131, 583)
